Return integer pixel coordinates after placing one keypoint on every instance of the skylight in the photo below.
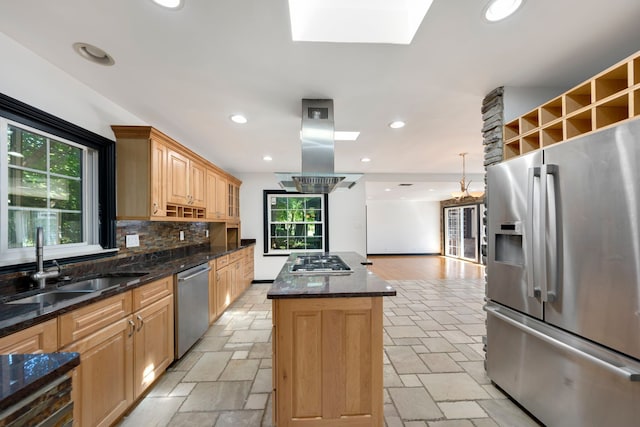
(356, 21)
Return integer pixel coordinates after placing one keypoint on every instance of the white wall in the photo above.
(34, 81)
(403, 227)
(521, 100)
(346, 220)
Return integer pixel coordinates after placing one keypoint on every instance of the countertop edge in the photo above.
(162, 271)
(28, 389)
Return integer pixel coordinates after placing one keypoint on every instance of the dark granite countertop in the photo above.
(360, 283)
(15, 317)
(24, 374)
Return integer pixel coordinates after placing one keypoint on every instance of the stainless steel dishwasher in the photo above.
(192, 307)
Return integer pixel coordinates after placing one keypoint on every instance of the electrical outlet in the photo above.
(181, 235)
(206, 233)
(132, 241)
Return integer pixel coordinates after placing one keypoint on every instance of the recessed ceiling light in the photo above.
(387, 189)
(365, 160)
(397, 124)
(267, 158)
(497, 10)
(356, 21)
(169, 4)
(93, 54)
(341, 135)
(238, 118)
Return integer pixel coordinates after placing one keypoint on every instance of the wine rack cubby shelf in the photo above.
(605, 100)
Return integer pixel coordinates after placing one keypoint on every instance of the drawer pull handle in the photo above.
(141, 322)
(133, 327)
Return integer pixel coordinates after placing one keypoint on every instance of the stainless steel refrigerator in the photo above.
(563, 269)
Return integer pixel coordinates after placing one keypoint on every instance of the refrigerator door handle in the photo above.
(531, 234)
(623, 371)
(549, 227)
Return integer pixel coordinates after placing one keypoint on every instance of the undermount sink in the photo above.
(50, 298)
(66, 293)
(102, 283)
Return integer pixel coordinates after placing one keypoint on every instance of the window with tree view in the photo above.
(47, 178)
(296, 223)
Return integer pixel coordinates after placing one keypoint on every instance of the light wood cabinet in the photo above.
(328, 361)
(154, 334)
(186, 180)
(152, 343)
(216, 200)
(223, 289)
(159, 179)
(609, 98)
(84, 321)
(125, 343)
(178, 178)
(248, 267)
(213, 298)
(141, 167)
(221, 196)
(103, 383)
(41, 338)
(233, 206)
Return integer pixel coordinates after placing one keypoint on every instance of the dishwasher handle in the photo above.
(191, 276)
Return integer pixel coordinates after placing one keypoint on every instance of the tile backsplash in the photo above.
(159, 236)
(157, 239)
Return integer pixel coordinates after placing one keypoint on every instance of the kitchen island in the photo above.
(327, 345)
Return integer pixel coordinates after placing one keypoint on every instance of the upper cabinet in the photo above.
(216, 197)
(233, 195)
(159, 179)
(185, 180)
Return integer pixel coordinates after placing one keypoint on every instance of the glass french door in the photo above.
(461, 232)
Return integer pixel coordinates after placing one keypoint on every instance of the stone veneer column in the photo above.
(492, 140)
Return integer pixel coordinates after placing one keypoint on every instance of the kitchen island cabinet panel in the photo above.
(328, 357)
(41, 338)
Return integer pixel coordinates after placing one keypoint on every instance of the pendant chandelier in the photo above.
(464, 185)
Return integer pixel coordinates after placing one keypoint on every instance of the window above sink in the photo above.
(55, 175)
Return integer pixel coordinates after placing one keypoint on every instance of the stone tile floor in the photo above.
(433, 365)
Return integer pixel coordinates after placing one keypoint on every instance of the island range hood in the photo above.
(316, 135)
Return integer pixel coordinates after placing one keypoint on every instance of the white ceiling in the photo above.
(185, 72)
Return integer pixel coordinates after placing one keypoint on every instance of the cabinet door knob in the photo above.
(155, 208)
(141, 322)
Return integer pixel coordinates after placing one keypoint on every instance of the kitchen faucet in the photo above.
(41, 275)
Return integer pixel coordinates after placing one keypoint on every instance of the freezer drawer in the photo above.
(561, 379)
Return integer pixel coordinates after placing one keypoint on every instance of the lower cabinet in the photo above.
(41, 338)
(327, 362)
(103, 383)
(213, 298)
(152, 343)
(223, 291)
(119, 360)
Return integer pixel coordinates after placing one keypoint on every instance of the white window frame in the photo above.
(90, 232)
(322, 222)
